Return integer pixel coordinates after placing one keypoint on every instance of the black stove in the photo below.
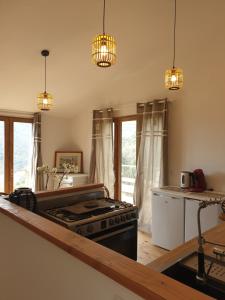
(66, 216)
(88, 217)
(107, 221)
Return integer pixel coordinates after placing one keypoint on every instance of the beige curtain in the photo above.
(101, 165)
(37, 178)
(152, 156)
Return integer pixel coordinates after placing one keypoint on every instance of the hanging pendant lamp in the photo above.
(104, 47)
(45, 100)
(174, 77)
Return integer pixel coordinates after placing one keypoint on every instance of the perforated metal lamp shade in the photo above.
(174, 79)
(104, 50)
(45, 101)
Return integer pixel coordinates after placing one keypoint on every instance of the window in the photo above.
(125, 157)
(15, 153)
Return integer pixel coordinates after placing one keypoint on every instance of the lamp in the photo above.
(174, 77)
(104, 47)
(45, 100)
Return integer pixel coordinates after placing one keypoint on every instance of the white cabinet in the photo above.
(209, 218)
(72, 180)
(167, 220)
(79, 179)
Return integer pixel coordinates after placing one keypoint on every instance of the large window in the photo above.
(125, 157)
(15, 153)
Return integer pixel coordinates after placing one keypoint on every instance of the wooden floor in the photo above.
(146, 251)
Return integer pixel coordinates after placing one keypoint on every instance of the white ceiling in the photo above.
(143, 31)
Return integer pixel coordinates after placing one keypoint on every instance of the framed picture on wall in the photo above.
(72, 157)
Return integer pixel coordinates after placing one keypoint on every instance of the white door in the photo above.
(167, 221)
(209, 218)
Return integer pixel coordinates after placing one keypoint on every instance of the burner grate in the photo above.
(67, 216)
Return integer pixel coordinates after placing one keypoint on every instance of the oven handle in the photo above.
(105, 236)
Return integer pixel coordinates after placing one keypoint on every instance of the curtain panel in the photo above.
(152, 130)
(37, 178)
(101, 165)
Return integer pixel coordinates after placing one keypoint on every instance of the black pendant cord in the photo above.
(174, 32)
(103, 21)
(45, 74)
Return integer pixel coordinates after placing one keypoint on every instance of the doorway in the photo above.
(125, 156)
(16, 142)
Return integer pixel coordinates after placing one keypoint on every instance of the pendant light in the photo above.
(45, 100)
(174, 77)
(104, 47)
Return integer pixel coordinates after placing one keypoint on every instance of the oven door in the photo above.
(122, 239)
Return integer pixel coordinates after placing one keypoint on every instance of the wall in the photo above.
(81, 136)
(33, 268)
(56, 135)
(197, 112)
(196, 134)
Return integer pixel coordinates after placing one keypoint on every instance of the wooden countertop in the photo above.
(69, 190)
(176, 191)
(142, 280)
(216, 235)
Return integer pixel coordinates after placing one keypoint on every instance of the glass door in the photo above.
(125, 157)
(128, 160)
(16, 144)
(22, 154)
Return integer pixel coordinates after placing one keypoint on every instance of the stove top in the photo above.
(66, 215)
(91, 206)
(92, 212)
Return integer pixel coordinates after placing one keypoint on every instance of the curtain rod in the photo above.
(151, 101)
(134, 103)
(108, 109)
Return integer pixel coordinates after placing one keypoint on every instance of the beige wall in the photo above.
(33, 268)
(197, 112)
(196, 134)
(81, 136)
(56, 135)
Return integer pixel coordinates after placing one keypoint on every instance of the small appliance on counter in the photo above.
(24, 197)
(193, 181)
(199, 181)
(186, 179)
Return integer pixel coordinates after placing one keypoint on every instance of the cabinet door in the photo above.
(209, 218)
(167, 221)
(79, 179)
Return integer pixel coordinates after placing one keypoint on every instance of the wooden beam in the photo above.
(87, 187)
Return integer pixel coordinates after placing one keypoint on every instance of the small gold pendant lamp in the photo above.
(174, 77)
(104, 48)
(45, 100)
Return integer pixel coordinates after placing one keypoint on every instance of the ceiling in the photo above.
(143, 31)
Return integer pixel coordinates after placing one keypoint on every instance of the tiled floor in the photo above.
(146, 251)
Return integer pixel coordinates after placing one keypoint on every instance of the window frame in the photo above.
(9, 148)
(118, 150)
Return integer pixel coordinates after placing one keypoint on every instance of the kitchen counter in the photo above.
(215, 235)
(176, 191)
(147, 282)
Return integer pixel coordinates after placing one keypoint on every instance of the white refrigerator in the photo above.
(209, 217)
(167, 220)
